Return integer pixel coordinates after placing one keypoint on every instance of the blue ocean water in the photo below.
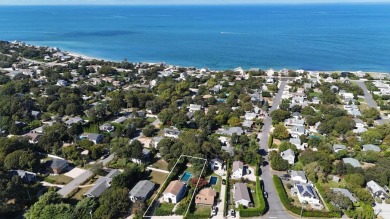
(313, 37)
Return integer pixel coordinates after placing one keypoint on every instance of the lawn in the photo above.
(202, 210)
(151, 119)
(315, 94)
(164, 209)
(79, 194)
(158, 177)
(58, 179)
(254, 195)
(161, 164)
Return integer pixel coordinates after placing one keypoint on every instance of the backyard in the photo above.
(58, 179)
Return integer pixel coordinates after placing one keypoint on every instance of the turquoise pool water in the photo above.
(186, 176)
(213, 180)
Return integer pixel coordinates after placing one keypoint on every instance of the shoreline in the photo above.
(89, 58)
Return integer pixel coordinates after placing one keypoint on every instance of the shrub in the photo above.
(270, 140)
(260, 210)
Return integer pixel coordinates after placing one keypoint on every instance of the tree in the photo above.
(280, 115)
(84, 207)
(112, 203)
(280, 132)
(128, 178)
(370, 113)
(355, 180)
(21, 160)
(201, 184)
(136, 149)
(49, 198)
(149, 131)
(277, 162)
(234, 121)
(180, 120)
(287, 145)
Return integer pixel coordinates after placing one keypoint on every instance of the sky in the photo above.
(169, 2)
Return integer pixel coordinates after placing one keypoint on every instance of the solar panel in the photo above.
(300, 188)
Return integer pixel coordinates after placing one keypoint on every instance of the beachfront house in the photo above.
(241, 195)
(174, 192)
(141, 191)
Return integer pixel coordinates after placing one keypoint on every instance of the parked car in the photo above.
(265, 194)
(214, 211)
(232, 213)
(223, 181)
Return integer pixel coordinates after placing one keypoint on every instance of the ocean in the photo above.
(303, 36)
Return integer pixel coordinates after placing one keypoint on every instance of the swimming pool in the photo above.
(186, 176)
(213, 180)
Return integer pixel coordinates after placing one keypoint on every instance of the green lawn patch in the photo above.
(151, 119)
(158, 177)
(165, 209)
(160, 164)
(79, 194)
(58, 179)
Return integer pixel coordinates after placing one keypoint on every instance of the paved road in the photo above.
(221, 205)
(276, 209)
(370, 101)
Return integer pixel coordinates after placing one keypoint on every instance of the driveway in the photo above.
(276, 209)
(75, 172)
(382, 210)
(370, 101)
(222, 203)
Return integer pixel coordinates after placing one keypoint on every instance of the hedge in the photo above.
(297, 210)
(270, 140)
(262, 209)
(227, 188)
(196, 216)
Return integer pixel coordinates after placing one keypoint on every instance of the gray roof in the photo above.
(241, 192)
(288, 152)
(371, 147)
(295, 141)
(346, 193)
(113, 173)
(298, 129)
(102, 184)
(247, 123)
(337, 147)
(352, 161)
(56, 163)
(142, 189)
(374, 187)
(301, 174)
(238, 165)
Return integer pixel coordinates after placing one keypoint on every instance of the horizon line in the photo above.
(205, 4)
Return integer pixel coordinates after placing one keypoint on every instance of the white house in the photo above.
(238, 169)
(306, 193)
(250, 116)
(297, 142)
(107, 127)
(288, 155)
(171, 132)
(194, 107)
(376, 190)
(174, 192)
(216, 164)
(298, 176)
(241, 195)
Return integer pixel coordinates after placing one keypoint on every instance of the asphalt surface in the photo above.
(369, 100)
(276, 209)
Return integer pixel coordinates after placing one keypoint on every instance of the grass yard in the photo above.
(315, 94)
(161, 164)
(150, 119)
(202, 210)
(254, 195)
(58, 179)
(79, 194)
(158, 177)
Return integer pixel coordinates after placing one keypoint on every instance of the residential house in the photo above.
(346, 193)
(298, 176)
(315, 100)
(107, 127)
(205, 196)
(194, 108)
(352, 161)
(95, 138)
(25, 176)
(174, 192)
(241, 195)
(339, 147)
(155, 141)
(216, 164)
(297, 131)
(62, 83)
(247, 124)
(298, 144)
(371, 147)
(74, 120)
(33, 138)
(171, 132)
(102, 184)
(58, 166)
(306, 193)
(145, 157)
(35, 114)
(250, 116)
(289, 156)
(230, 131)
(141, 191)
(238, 169)
(376, 190)
(295, 121)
